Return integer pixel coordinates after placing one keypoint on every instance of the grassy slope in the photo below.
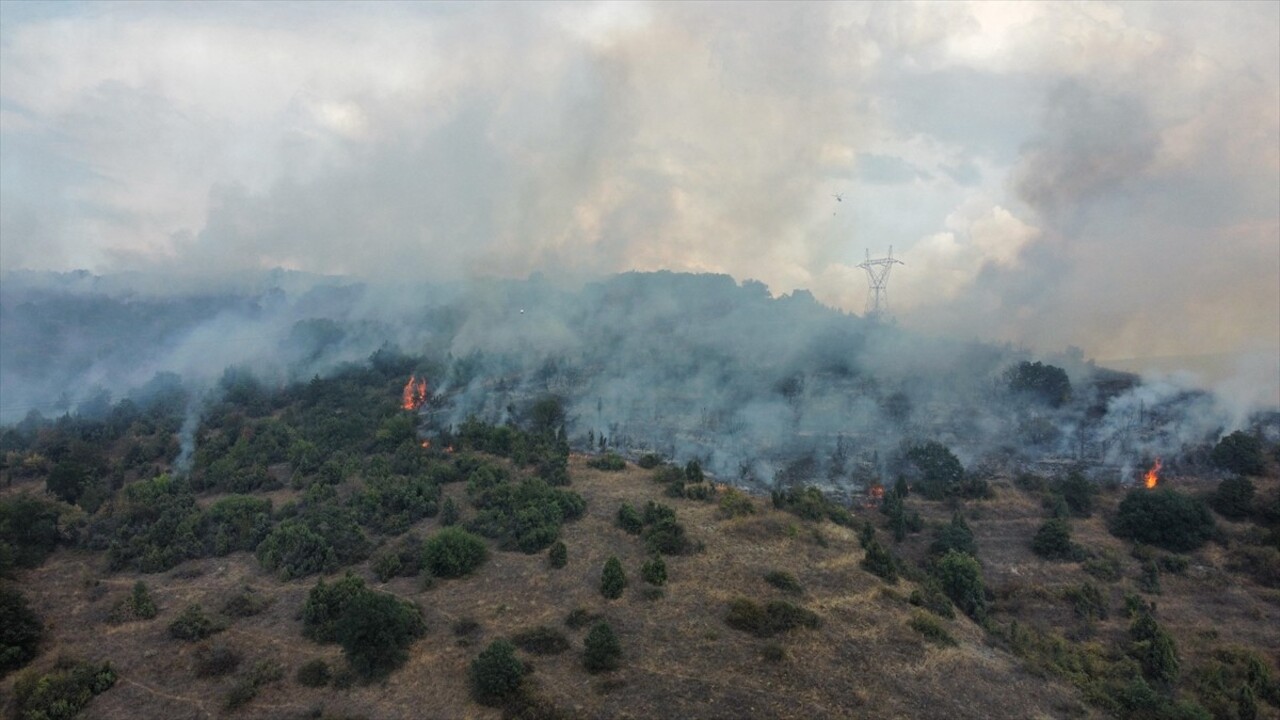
(680, 660)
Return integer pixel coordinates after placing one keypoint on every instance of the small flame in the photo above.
(1153, 475)
(449, 449)
(876, 491)
(414, 394)
(426, 444)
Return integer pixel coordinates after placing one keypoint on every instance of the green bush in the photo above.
(246, 603)
(629, 519)
(541, 640)
(1087, 601)
(1044, 383)
(29, 528)
(263, 672)
(960, 577)
(20, 631)
(192, 624)
(579, 618)
(216, 660)
(942, 475)
(610, 461)
(778, 616)
(1105, 566)
(603, 651)
(784, 581)
(1239, 453)
(62, 692)
(454, 552)
(735, 503)
(879, 561)
(612, 579)
(1154, 649)
(1077, 492)
(496, 674)
(1234, 497)
(558, 556)
(376, 630)
(1053, 541)
(449, 513)
(137, 605)
(326, 604)
(654, 571)
(931, 629)
(649, 461)
(931, 597)
(314, 673)
(1164, 518)
(956, 535)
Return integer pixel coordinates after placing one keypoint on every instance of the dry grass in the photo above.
(680, 659)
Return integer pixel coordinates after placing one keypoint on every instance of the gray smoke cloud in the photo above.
(1096, 175)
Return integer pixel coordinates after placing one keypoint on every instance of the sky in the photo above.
(1099, 175)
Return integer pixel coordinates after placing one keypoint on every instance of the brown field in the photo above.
(680, 659)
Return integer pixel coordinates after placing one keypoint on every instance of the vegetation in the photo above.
(931, 629)
(654, 571)
(20, 631)
(63, 691)
(810, 504)
(558, 555)
(1043, 383)
(1078, 493)
(216, 660)
(1239, 453)
(541, 640)
(784, 581)
(453, 552)
(28, 531)
(264, 672)
(137, 605)
(375, 630)
(610, 461)
(603, 651)
(193, 624)
(496, 674)
(314, 673)
(960, 578)
(941, 474)
(1164, 518)
(1053, 541)
(613, 580)
(1234, 497)
(777, 616)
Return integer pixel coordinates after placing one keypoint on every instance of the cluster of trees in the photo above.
(939, 474)
(523, 515)
(1041, 382)
(375, 629)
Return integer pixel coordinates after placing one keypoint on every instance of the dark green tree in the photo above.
(454, 552)
(879, 561)
(941, 472)
(1234, 497)
(613, 580)
(1078, 492)
(20, 630)
(193, 624)
(956, 535)
(603, 650)
(654, 571)
(376, 630)
(449, 513)
(326, 604)
(1164, 518)
(960, 577)
(496, 674)
(1053, 540)
(558, 555)
(1045, 383)
(629, 519)
(1239, 453)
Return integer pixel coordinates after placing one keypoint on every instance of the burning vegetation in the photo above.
(1152, 476)
(414, 394)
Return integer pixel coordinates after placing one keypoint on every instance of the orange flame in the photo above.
(414, 394)
(876, 491)
(1152, 477)
(426, 444)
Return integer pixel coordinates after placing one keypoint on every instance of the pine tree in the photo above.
(613, 580)
(654, 571)
(603, 651)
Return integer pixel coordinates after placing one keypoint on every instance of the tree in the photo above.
(1234, 497)
(558, 555)
(496, 674)
(654, 571)
(1164, 518)
(376, 630)
(192, 624)
(629, 519)
(955, 536)
(603, 651)
(20, 631)
(879, 561)
(1078, 493)
(326, 604)
(942, 473)
(1053, 540)
(1239, 453)
(613, 580)
(454, 552)
(1044, 383)
(449, 513)
(960, 577)
(67, 481)
(1154, 648)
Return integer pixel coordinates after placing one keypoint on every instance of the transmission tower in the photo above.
(878, 277)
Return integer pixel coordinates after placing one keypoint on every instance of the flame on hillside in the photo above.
(414, 394)
(1153, 475)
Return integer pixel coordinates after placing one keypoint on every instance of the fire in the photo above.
(426, 444)
(414, 394)
(1152, 477)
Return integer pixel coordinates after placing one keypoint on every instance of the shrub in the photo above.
(942, 473)
(603, 652)
(192, 624)
(1164, 518)
(1105, 566)
(784, 581)
(216, 660)
(773, 652)
(778, 616)
(496, 674)
(612, 580)
(1053, 541)
(610, 461)
(541, 640)
(1087, 601)
(1234, 497)
(960, 578)
(62, 692)
(931, 597)
(454, 552)
(654, 571)
(314, 673)
(558, 555)
(649, 461)
(137, 605)
(1239, 453)
(931, 629)
(29, 528)
(879, 561)
(20, 631)
(1077, 492)
(579, 618)
(1044, 383)
(246, 603)
(449, 513)
(325, 606)
(956, 535)
(629, 519)
(735, 503)
(376, 630)
(1154, 648)
(263, 672)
